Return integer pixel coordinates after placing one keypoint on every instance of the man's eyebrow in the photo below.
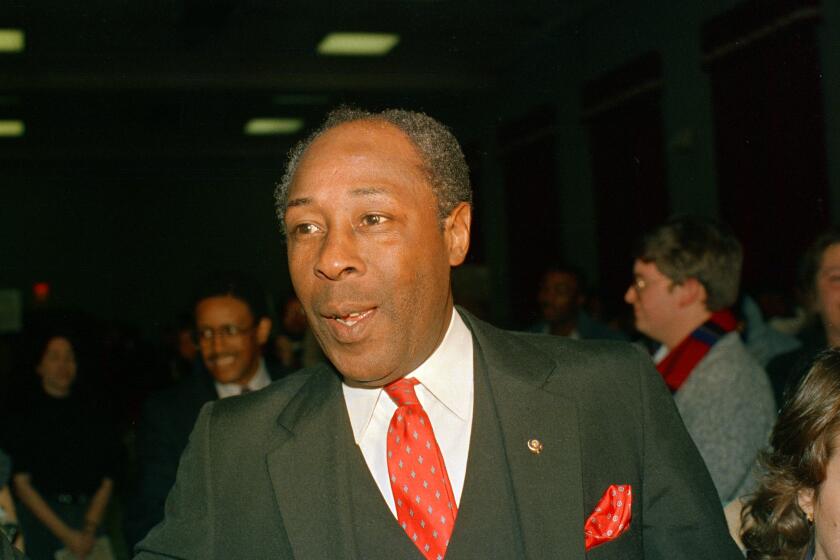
(360, 192)
(368, 191)
(298, 202)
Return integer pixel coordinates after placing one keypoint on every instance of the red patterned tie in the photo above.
(426, 507)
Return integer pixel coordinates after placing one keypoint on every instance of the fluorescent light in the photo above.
(11, 128)
(358, 44)
(265, 126)
(11, 40)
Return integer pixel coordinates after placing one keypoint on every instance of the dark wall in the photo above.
(125, 240)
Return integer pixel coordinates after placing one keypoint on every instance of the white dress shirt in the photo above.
(446, 393)
(660, 354)
(260, 380)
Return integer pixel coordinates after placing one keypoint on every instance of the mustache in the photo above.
(330, 300)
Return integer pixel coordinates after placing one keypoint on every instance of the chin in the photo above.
(362, 372)
(224, 377)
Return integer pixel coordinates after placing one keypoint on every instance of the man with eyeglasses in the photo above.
(686, 277)
(231, 328)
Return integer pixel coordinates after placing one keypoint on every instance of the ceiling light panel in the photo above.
(12, 128)
(11, 40)
(358, 44)
(270, 126)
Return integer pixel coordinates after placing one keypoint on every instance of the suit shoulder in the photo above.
(272, 398)
(576, 363)
(582, 351)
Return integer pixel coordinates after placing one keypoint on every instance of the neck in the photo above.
(832, 336)
(55, 391)
(244, 380)
(686, 324)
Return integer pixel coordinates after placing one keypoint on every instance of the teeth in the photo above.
(352, 318)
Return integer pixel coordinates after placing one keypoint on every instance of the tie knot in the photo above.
(402, 392)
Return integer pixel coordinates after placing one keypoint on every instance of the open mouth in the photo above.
(351, 319)
(350, 324)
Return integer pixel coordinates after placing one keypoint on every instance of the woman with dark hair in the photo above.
(63, 451)
(795, 512)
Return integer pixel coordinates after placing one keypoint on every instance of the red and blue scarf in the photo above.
(681, 360)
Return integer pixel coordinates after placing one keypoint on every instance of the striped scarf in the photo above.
(680, 361)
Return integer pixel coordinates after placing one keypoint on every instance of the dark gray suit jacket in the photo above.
(167, 420)
(276, 475)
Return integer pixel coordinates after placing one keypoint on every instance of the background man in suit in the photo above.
(515, 437)
(231, 328)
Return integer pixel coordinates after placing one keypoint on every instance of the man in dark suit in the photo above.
(231, 327)
(536, 437)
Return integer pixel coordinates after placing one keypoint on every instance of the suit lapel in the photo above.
(488, 525)
(547, 486)
(306, 463)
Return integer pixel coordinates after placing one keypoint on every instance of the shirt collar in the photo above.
(446, 374)
(260, 380)
(660, 353)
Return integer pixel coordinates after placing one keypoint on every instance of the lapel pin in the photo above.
(535, 446)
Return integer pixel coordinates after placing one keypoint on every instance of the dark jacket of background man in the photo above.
(223, 300)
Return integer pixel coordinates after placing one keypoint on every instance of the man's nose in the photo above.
(630, 295)
(339, 255)
(219, 341)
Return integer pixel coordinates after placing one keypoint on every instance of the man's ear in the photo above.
(691, 292)
(456, 230)
(805, 499)
(263, 330)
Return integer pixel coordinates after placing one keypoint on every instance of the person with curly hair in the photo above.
(795, 512)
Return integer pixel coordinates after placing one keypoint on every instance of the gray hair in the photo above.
(443, 160)
(693, 247)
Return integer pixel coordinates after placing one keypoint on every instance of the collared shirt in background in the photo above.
(261, 380)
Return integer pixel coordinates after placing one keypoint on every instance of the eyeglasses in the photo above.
(639, 284)
(225, 332)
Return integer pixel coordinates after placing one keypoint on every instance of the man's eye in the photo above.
(304, 229)
(373, 220)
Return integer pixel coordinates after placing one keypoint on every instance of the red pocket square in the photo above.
(611, 516)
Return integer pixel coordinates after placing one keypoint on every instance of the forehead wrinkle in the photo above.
(369, 191)
(302, 201)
